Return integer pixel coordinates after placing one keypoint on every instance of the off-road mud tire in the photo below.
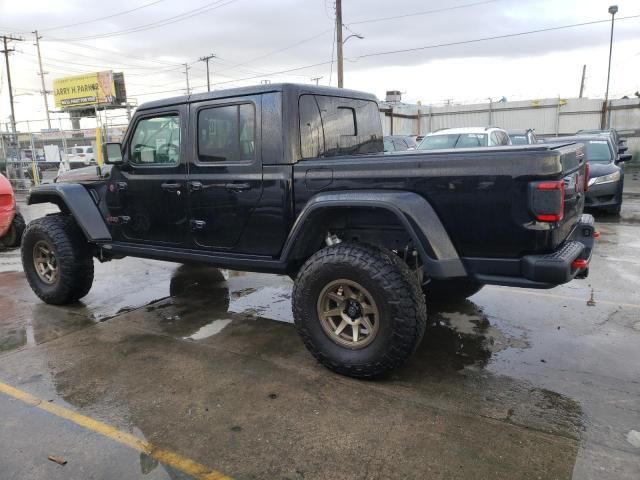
(14, 235)
(397, 294)
(73, 257)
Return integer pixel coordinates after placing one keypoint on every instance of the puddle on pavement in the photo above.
(460, 335)
(204, 301)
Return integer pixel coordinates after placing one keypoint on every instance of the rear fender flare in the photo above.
(414, 212)
(76, 200)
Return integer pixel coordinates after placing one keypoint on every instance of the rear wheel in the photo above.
(358, 309)
(453, 289)
(56, 260)
(14, 235)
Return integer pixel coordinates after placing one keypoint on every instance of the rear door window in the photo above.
(348, 126)
(227, 133)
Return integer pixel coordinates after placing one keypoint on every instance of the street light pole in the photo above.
(339, 43)
(613, 9)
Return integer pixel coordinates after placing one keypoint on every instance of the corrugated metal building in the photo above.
(549, 116)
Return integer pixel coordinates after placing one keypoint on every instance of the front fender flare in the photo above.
(76, 199)
(414, 212)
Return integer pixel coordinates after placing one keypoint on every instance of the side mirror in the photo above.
(625, 157)
(622, 148)
(112, 153)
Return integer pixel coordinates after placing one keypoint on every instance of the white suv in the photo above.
(81, 154)
(469, 137)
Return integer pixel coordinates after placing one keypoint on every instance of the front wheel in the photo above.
(454, 289)
(56, 260)
(358, 309)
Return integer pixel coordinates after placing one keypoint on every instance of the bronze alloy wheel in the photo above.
(348, 314)
(45, 262)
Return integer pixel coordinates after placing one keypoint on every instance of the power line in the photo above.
(115, 52)
(425, 12)
(484, 39)
(75, 24)
(160, 23)
(308, 39)
(390, 52)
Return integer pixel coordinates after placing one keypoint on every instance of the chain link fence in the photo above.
(31, 158)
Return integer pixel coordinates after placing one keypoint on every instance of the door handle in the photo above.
(171, 187)
(195, 186)
(236, 187)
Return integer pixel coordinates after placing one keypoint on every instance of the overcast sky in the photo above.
(255, 39)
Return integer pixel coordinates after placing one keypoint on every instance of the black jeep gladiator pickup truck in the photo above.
(292, 179)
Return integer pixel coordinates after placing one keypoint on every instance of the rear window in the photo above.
(334, 126)
(519, 140)
(598, 151)
(453, 140)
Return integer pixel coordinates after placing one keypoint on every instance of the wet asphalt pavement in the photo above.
(510, 384)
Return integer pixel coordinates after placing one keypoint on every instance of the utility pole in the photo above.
(317, 80)
(206, 60)
(6, 51)
(339, 43)
(584, 71)
(44, 89)
(13, 139)
(186, 73)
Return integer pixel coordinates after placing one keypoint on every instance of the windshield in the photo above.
(519, 140)
(598, 151)
(453, 140)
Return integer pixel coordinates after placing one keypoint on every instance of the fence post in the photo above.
(34, 160)
(558, 117)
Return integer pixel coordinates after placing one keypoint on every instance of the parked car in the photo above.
(523, 137)
(80, 155)
(399, 143)
(11, 221)
(612, 133)
(606, 175)
(469, 137)
(292, 179)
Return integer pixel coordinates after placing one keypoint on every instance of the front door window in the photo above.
(156, 141)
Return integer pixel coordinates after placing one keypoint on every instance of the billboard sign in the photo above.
(89, 89)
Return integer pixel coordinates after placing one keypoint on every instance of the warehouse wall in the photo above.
(549, 116)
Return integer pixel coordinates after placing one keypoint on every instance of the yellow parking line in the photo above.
(166, 457)
(562, 297)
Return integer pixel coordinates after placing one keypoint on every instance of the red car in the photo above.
(11, 222)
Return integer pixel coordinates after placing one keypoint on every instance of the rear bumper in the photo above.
(570, 261)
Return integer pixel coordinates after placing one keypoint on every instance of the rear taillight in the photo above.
(586, 177)
(547, 200)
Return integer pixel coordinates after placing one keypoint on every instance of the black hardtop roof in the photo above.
(289, 88)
